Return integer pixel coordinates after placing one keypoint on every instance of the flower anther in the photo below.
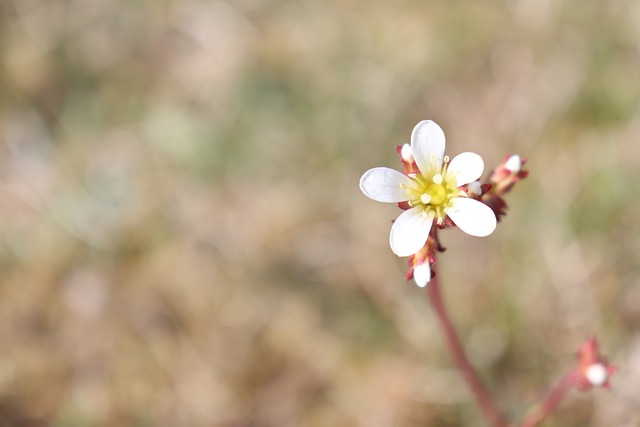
(432, 191)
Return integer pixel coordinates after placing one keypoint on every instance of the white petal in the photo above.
(422, 274)
(386, 185)
(410, 231)
(427, 143)
(472, 217)
(466, 167)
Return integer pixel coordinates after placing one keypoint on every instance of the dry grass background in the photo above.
(183, 241)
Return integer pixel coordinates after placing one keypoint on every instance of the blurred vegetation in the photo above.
(183, 241)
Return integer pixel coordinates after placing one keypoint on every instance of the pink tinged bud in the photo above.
(422, 274)
(593, 368)
(406, 153)
(420, 264)
(475, 188)
(513, 164)
(505, 176)
(406, 157)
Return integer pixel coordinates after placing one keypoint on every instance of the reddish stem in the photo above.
(551, 401)
(480, 392)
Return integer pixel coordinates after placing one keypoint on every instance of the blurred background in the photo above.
(183, 241)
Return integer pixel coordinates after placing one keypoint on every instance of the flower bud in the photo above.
(513, 164)
(422, 274)
(593, 370)
(507, 174)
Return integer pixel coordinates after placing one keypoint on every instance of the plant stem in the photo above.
(551, 401)
(481, 394)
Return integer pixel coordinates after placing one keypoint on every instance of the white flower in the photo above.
(433, 192)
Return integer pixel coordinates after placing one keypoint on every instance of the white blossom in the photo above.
(433, 192)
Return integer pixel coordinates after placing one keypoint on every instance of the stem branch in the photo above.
(551, 401)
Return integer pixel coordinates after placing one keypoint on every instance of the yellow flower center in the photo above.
(435, 191)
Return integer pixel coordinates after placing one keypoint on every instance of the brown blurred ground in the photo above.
(183, 242)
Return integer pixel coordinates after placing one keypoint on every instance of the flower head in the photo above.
(431, 188)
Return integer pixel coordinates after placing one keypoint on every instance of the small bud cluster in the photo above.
(502, 180)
